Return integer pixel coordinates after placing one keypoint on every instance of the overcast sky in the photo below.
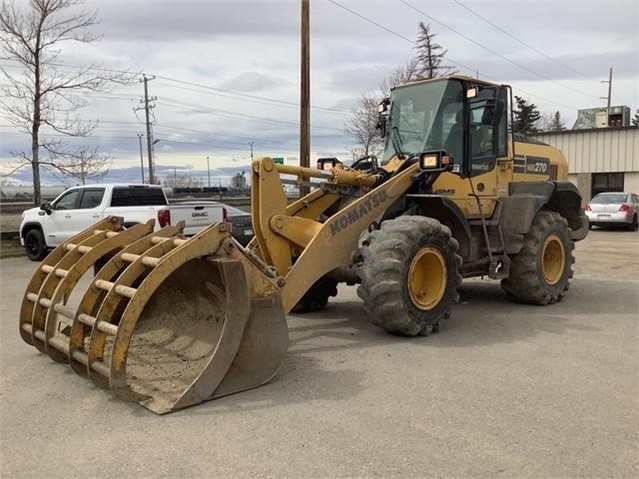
(219, 64)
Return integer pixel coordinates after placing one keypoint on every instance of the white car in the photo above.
(614, 209)
(78, 208)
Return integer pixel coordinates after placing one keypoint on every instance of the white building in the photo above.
(600, 159)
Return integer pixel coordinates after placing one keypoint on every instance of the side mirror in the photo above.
(46, 207)
(493, 112)
(382, 120)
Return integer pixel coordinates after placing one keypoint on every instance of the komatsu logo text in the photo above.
(345, 220)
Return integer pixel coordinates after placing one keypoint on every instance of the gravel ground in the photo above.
(503, 390)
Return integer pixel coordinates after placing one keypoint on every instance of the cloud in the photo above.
(253, 82)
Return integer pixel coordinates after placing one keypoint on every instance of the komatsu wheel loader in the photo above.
(170, 321)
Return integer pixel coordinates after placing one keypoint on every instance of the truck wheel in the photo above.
(540, 273)
(316, 298)
(34, 245)
(409, 275)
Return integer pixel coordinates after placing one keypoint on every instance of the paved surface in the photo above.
(504, 390)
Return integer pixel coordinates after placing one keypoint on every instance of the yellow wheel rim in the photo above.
(553, 259)
(427, 278)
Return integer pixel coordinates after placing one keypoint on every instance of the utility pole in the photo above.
(140, 135)
(149, 137)
(251, 143)
(305, 78)
(208, 170)
(609, 97)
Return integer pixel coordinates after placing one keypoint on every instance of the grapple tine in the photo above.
(113, 304)
(72, 275)
(93, 297)
(33, 292)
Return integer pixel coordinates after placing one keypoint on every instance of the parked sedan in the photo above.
(242, 224)
(614, 209)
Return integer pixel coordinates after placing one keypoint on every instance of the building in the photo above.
(599, 159)
(598, 118)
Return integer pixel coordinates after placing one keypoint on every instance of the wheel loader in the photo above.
(169, 321)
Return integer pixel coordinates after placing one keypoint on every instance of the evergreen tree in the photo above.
(526, 117)
(557, 123)
(429, 55)
(635, 119)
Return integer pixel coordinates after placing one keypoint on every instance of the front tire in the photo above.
(409, 275)
(34, 245)
(540, 273)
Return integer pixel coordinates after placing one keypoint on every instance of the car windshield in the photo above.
(609, 199)
(422, 117)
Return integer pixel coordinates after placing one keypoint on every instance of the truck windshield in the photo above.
(424, 117)
(138, 196)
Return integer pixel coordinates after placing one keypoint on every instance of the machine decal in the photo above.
(531, 165)
(345, 220)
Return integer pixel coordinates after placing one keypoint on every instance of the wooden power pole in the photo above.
(149, 138)
(305, 79)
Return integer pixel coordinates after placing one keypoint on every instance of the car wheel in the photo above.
(34, 245)
(634, 225)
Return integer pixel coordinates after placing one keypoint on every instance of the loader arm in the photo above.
(296, 240)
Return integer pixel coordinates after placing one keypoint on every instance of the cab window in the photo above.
(91, 198)
(67, 201)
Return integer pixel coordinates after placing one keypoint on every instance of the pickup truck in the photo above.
(79, 207)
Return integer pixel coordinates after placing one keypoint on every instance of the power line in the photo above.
(198, 85)
(513, 62)
(253, 101)
(465, 67)
(255, 97)
(554, 60)
(233, 114)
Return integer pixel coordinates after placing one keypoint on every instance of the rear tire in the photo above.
(316, 298)
(634, 225)
(540, 273)
(409, 275)
(34, 245)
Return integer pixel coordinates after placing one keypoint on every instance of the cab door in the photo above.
(59, 224)
(89, 210)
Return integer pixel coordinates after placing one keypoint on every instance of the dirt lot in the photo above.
(503, 390)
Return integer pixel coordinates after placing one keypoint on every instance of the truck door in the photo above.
(58, 226)
(90, 209)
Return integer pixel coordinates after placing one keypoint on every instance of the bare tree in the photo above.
(362, 124)
(181, 180)
(84, 164)
(403, 74)
(43, 101)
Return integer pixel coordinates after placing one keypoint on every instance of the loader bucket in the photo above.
(167, 322)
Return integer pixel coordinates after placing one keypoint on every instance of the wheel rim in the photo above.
(427, 278)
(553, 259)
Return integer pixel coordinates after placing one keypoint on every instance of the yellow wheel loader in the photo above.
(170, 321)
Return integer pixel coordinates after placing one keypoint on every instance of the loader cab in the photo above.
(464, 117)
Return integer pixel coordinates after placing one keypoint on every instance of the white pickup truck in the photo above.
(79, 207)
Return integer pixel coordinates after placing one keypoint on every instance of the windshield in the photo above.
(609, 199)
(424, 117)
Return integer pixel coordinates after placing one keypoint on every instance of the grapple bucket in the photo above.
(167, 321)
